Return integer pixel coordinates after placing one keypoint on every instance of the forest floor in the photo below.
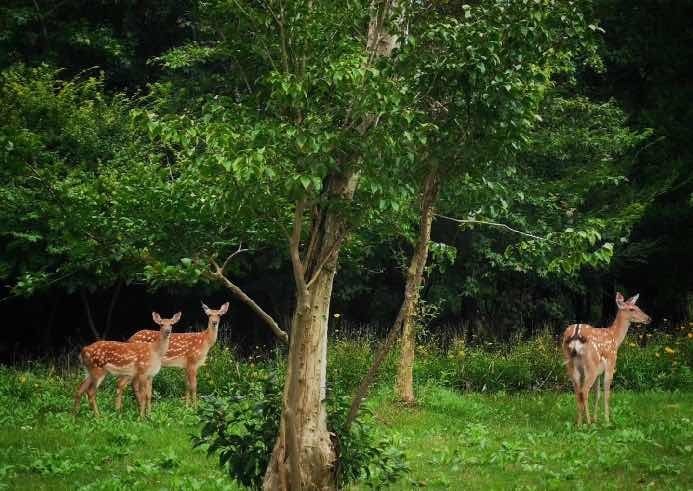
(452, 441)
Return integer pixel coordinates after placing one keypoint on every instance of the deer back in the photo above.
(114, 353)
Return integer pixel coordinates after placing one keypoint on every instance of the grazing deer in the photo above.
(138, 361)
(186, 350)
(591, 352)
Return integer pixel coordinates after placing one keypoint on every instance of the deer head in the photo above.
(631, 311)
(215, 315)
(166, 324)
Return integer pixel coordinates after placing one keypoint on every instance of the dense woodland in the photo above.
(100, 98)
(423, 171)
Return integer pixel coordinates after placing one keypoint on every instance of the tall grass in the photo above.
(664, 363)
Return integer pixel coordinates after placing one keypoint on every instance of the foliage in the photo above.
(57, 137)
(646, 361)
(241, 424)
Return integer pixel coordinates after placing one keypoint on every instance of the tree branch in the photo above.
(495, 224)
(243, 297)
(324, 261)
(294, 243)
(87, 311)
(231, 256)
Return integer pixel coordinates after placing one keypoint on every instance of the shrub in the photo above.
(241, 426)
(537, 364)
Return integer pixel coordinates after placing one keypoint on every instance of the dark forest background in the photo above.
(647, 51)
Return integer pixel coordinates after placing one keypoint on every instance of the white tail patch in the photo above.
(576, 347)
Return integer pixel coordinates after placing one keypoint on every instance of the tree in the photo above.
(306, 118)
(481, 73)
(54, 225)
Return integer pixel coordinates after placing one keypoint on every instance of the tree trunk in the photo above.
(304, 419)
(303, 456)
(411, 290)
(87, 311)
(111, 308)
(405, 378)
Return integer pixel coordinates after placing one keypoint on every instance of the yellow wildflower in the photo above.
(669, 350)
(690, 335)
(22, 379)
(657, 355)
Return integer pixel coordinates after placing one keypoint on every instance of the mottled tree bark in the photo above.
(412, 286)
(303, 456)
(405, 378)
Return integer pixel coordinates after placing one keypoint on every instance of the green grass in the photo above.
(530, 441)
(42, 446)
(452, 440)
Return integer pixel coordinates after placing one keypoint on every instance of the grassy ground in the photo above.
(529, 441)
(42, 446)
(453, 441)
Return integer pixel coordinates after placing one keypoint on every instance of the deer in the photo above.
(591, 352)
(138, 361)
(186, 350)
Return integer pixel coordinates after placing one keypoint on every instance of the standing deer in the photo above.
(138, 361)
(186, 350)
(591, 352)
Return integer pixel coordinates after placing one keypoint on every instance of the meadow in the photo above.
(486, 418)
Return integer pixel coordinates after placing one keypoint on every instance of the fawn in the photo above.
(591, 352)
(138, 361)
(186, 350)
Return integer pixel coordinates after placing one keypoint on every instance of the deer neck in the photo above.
(620, 327)
(211, 334)
(161, 347)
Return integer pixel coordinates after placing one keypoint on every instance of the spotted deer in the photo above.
(139, 362)
(186, 350)
(590, 352)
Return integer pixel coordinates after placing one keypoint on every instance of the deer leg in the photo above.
(191, 385)
(187, 386)
(590, 377)
(138, 387)
(80, 392)
(150, 383)
(121, 388)
(608, 377)
(578, 401)
(575, 376)
(97, 378)
(597, 393)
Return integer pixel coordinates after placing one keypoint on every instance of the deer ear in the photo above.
(619, 300)
(176, 318)
(633, 299)
(205, 308)
(224, 308)
(156, 317)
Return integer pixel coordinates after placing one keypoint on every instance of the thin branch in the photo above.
(494, 224)
(231, 256)
(324, 261)
(298, 267)
(218, 274)
(87, 311)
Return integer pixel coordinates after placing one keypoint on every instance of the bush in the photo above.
(663, 364)
(241, 426)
